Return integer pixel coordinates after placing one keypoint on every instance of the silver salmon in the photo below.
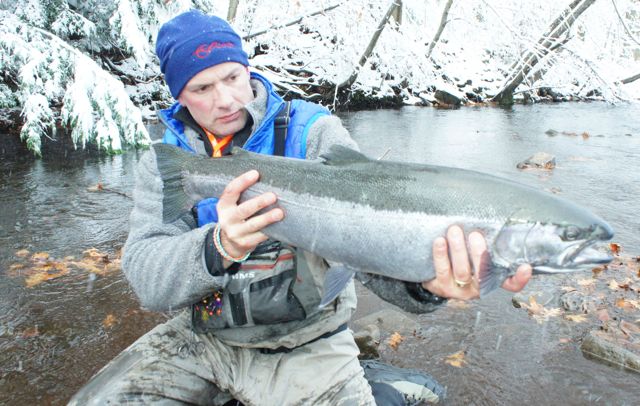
(381, 217)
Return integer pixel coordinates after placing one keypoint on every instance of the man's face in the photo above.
(216, 98)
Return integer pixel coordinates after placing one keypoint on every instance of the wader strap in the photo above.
(280, 350)
(280, 126)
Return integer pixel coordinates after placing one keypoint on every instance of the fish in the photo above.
(381, 217)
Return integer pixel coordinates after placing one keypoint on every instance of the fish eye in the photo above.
(571, 233)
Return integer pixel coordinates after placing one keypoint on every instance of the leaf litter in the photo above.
(40, 267)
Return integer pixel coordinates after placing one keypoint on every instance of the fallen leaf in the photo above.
(585, 135)
(395, 340)
(98, 187)
(22, 253)
(629, 328)
(456, 360)
(613, 285)
(45, 272)
(615, 248)
(567, 289)
(30, 332)
(603, 315)
(577, 318)
(109, 321)
(597, 270)
(538, 311)
(627, 304)
(40, 256)
(586, 282)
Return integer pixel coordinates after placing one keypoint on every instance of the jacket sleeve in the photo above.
(164, 263)
(324, 133)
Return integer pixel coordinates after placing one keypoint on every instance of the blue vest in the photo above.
(303, 114)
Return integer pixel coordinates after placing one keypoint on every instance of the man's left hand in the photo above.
(457, 268)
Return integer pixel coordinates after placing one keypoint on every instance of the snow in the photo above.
(45, 50)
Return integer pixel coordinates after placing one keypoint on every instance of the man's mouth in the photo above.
(229, 117)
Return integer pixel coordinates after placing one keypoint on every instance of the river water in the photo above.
(57, 333)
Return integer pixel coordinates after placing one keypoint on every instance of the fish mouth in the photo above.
(581, 256)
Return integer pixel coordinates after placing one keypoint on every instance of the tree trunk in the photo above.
(630, 79)
(443, 22)
(367, 52)
(397, 14)
(548, 43)
(233, 8)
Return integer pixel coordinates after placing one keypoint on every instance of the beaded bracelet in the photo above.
(225, 254)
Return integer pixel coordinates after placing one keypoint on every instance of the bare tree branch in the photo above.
(290, 23)
(630, 79)
(547, 44)
(233, 8)
(443, 22)
(374, 40)
(623, 24)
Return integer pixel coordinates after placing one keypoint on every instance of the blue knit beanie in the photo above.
(192, 42)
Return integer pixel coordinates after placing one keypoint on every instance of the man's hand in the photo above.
(457, 269)
(240, 229)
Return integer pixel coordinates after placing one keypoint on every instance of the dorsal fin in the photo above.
(341, 155)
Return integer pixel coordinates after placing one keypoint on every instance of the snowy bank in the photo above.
(88, 68)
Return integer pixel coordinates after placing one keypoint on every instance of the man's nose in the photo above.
(223, 97)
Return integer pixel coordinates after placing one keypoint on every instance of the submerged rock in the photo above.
(611, 350)
(539, 160)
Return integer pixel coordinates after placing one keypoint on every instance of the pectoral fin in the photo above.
(334, 283)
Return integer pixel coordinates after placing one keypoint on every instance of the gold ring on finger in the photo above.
(461, 284)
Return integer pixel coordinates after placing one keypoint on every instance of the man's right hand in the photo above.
(240, 228)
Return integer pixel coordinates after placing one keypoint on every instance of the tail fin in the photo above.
(175, 201)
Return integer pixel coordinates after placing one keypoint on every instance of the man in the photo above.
(255, 332)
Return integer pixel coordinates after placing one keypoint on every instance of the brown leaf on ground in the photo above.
(576, 318)
(597, 270)
(630, 329)
(96, 188)
(47, 271)
(40, 256)
(30, 332)
(585, 135)
(615, 248)
(456, 359)
(603, 315)
(538, 311)
(395, 340)
(15, 270)
(586, 282)
(96, 255)
(109, 321)
(22, 253)
(627, 304)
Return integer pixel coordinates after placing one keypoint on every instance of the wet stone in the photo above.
(539, 160)
(368, 341)
(608, 349)
(576, 301)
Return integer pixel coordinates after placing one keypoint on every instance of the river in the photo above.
(58, 332)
